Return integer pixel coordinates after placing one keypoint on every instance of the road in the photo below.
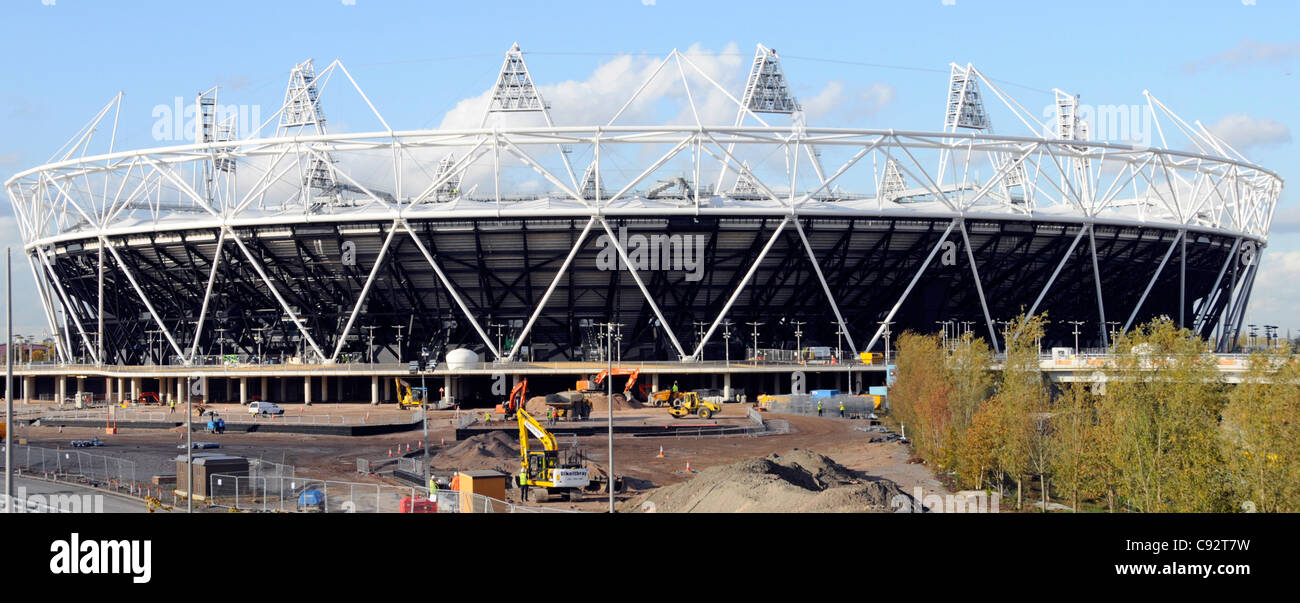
(70, 498)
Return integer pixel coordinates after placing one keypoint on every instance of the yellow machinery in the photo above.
(410, 397)
(689, 403)
(543, 473)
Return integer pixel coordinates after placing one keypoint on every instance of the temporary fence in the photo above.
(118, 475)
(855, 407)
(162, 416)
(284, 494)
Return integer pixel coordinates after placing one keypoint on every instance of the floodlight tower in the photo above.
(514, 92)
(966, 111)
(768, 91)
(1070, 126)
(451, 187)
(301, 114)
(892, 184)
(209, 128)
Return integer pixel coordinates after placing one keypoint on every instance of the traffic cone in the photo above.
(442, 442)
(661, 452)
(421, 444)
(390, 453)
(688, 467)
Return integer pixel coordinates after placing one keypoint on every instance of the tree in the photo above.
(1025, 402)
(921, 396)
(1261, 434)
(1075, 459)
(1160, 428)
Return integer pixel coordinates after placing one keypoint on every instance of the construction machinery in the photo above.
(410, 397)
(149, 399)
(545, 473)
(518, 395)
(690, 403)
(629, 391)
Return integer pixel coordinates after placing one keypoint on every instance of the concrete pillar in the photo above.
(261, 391)
(29, 389)
(243, 390)
(306, 390)
(121, 389)
(324, 388)
(284, 389)
(135, 388)
(179, 386)
(726, 386)
(374, 390)
(388, 389)
(447, 384)
(62, 388)
(208, 394)
(654, 382)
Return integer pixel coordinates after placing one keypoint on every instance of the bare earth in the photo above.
(334, 457)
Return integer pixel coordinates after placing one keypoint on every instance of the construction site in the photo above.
(699, 320)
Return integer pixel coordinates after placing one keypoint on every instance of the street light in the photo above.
(1077, 324)
(798, 338)
(756, 325)
(886, 323)
(726, 336)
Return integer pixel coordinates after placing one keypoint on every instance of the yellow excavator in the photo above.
(689, 403)
(410, 397)
(544, 473)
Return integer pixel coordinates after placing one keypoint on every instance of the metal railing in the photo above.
(130, 414)
(298, 494)
(105, 472)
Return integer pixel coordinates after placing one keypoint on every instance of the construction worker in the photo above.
(674, 389)
(487, 417)
(841, 409)
(171, 406)
(433, 488)
(819, 408)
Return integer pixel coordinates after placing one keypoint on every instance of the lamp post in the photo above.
(756, 325)
(726, 337)
(1077, 324)
(798, 338)
(886, 325)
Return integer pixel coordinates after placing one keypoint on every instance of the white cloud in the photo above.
(1243, 131)
(1273, 300)
(1247, 53)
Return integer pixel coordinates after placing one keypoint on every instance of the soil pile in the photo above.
(484, 451)
(537, 407)
(799, 481)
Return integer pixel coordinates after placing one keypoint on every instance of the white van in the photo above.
(264, 408)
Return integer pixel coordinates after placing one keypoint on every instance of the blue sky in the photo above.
(1223, 62)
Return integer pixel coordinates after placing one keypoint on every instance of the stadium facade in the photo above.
(521, 237)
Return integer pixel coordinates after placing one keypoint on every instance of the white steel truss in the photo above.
(1059, 174)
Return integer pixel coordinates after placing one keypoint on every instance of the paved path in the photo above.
(63, 497)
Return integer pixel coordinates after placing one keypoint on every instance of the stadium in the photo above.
(522, 239)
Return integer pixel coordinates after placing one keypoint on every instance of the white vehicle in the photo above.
(264, 408)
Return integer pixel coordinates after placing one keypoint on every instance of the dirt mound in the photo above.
(794, 482)
(483, 451)
(537, 407)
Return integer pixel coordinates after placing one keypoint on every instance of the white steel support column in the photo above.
(1155, 277)
(541, 305)
(735, 295)
(284, 305)
(67, 306)
(622, 253)
(455, 295)
(1212, 296)
(144, 298)
(207, 293)
(817, 269)
(1096, 277)
(916, 277)
(979, 288)
(365, 291)
(1055, 273)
